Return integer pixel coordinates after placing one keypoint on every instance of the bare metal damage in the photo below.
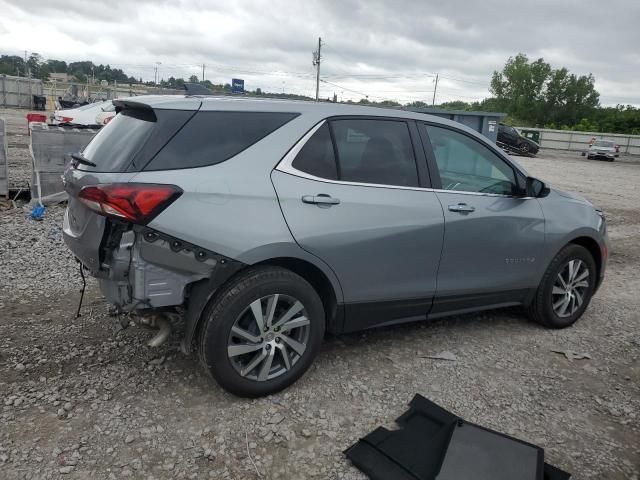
(148, 270)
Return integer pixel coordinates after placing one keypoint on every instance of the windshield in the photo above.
(603, 143)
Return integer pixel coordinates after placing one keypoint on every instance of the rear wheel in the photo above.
(262, 331)
(566, 288)
(525, 147)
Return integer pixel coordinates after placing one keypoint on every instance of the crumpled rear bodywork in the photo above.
(146, 269)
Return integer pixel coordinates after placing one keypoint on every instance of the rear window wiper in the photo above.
(78, 157)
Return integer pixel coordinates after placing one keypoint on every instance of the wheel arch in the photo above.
(286, 255)
(319, 281)
(593, 247)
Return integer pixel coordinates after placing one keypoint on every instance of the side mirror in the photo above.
(536, 188)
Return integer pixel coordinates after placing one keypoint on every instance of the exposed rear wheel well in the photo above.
(594, 249)
(318, 281)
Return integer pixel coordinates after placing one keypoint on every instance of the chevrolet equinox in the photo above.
(259, 225)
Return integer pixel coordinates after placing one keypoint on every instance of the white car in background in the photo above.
(107, 113)
(84, 115)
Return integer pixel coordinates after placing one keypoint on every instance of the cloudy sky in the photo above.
(383, 49)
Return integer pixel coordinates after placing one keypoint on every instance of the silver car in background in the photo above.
(263, 224)
(602, 150)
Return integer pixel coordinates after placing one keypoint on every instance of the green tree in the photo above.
(57, 66)
(12, 65)
(535, 93)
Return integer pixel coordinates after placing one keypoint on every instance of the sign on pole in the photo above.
(237, 85)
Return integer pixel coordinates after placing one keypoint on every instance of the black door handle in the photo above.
(320, 199)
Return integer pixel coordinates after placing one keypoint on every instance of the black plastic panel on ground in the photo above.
(434, 444)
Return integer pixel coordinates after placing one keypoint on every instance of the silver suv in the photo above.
(263, 224)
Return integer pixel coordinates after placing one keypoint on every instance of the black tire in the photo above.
(228, 305)
(525, 147)
(541, 308)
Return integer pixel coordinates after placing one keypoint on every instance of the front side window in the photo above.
(467, 165)
(375, 151)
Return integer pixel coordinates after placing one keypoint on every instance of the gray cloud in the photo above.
(384, 49)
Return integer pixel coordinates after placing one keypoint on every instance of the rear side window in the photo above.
(375, 151)
(316, 157)
(213, 137)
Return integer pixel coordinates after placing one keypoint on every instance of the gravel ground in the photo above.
(81, 398)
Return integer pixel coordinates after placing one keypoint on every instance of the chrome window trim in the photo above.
(285, 166)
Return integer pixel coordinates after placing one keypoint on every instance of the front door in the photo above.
(365, 214)
(494, 236)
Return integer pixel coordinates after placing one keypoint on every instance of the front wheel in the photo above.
(566, 288)
(262, 331)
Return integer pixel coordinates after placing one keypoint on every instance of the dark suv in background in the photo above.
(515, 140)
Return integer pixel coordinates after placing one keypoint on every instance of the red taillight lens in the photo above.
(134, 202)
(107, 120)
(66, 120)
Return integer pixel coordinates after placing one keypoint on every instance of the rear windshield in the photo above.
(603, 143)
(212, 137)
(132, 138)
(115, 145)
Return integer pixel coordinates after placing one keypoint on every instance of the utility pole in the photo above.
(316, 63)
(203, 72)
(157, 76)
(435, 89)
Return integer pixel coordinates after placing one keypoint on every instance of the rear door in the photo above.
(494, 236)
(354, 193)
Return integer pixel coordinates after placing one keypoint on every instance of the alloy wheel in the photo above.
(570, 288)
(268, 337)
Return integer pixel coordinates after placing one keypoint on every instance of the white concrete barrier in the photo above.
(579, 141)
(51, 148)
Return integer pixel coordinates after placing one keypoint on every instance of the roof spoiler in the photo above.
(196, 89)
(128, 104)
(139, 110)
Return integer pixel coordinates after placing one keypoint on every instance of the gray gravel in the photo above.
(81, 398)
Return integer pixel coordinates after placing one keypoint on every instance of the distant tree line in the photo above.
(532, 94)
(37, 67)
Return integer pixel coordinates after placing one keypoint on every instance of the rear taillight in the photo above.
(64, 119)
(133, 202)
